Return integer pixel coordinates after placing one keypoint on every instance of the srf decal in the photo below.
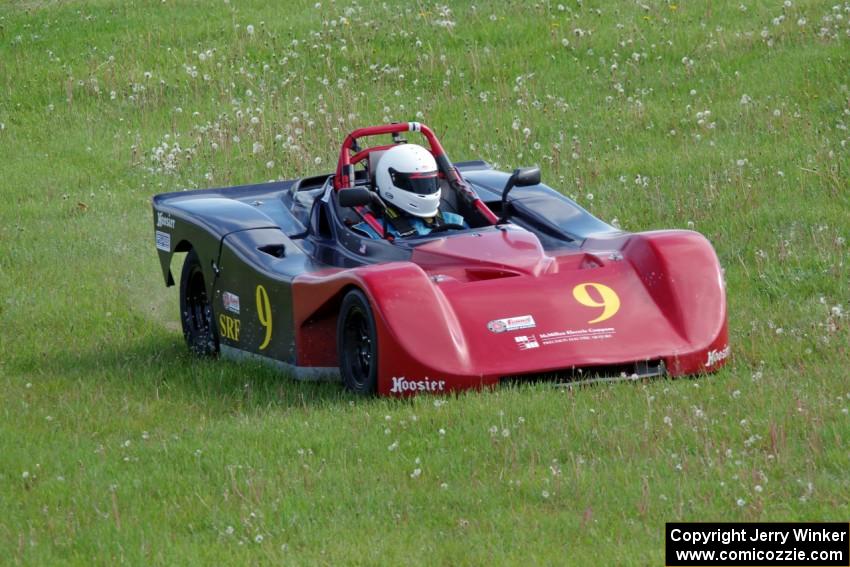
(228, 327)
(610, 303)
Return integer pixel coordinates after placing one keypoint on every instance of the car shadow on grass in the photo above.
(158, 366)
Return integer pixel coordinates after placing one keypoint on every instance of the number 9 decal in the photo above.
(264, 314)
(610, 303)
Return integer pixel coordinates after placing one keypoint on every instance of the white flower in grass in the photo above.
(250, 29)
(741, 502)
(258, 538)
(416, 473)
(257, 147)
(545, 494)
(668, 421)
(269, 164)
(758, 488)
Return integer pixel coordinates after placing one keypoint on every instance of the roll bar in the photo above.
(344, 177)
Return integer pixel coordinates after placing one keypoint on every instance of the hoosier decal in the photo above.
(715, 356)
(164, 219)
(404, 385)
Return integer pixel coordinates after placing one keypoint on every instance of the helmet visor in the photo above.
(419, 182)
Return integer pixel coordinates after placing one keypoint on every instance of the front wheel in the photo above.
(357, 344)
(196, 312)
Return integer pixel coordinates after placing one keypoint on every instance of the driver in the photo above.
(406, 180)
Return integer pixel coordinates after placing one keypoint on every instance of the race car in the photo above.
(305, 274)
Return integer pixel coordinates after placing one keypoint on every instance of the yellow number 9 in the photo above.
(264, 314)
(610, 301)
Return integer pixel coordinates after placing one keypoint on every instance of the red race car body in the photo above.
(534, 287)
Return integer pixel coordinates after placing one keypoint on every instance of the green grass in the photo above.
(115, 445)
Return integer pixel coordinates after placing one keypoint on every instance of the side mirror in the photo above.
(521, 177)
(357, 197)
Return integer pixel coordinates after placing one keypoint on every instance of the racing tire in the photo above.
(196, 311)
(357, 344)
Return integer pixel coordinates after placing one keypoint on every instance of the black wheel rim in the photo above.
(197, 306)
(358, 346)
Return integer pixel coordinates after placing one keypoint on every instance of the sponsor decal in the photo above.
(228, 327)
(511, 324)
(715, 356)
(402, 384)
(526, 342)
(577, 335)
(231, 302)
(164, 219)
(163, 241)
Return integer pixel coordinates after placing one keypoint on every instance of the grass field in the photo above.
(117, 446)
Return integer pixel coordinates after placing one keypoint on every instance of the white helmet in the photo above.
(407, 178)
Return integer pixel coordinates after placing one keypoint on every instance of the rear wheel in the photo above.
(357, 344)
(196, 312)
